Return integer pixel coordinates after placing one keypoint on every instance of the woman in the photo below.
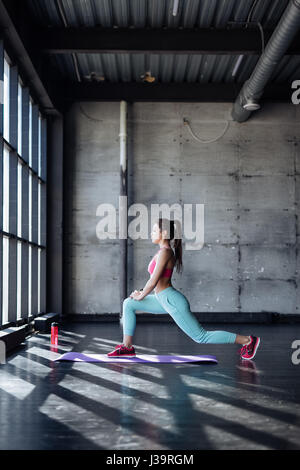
(167, 299)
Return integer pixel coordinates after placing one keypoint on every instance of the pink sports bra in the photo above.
(151, 266)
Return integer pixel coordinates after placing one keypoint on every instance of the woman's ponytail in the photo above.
(174, 232)
(177, 246)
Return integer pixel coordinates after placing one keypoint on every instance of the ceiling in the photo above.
(139, 49)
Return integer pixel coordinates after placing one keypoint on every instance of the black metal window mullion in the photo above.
(34, 259)
(23, 240)
(43, 227)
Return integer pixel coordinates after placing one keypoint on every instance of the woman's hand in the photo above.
(136, 294)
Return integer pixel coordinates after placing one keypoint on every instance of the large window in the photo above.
(23, 200)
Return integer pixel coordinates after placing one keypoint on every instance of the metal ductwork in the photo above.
(253, 88)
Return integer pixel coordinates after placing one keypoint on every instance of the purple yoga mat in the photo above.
(79, 357)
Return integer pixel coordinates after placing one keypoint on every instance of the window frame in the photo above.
(23, 145)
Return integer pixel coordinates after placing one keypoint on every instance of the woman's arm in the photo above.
(147, 289)
(161, 263)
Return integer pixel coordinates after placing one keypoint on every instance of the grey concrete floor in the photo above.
(230, 405)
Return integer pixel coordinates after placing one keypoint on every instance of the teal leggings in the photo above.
(173, 302)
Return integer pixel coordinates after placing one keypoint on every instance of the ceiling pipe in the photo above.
(252, 90)
(175, 7)
(123, 211)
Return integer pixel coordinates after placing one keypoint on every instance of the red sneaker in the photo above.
(248, 351)
(242, 350)
(122, 351)
(118, 346)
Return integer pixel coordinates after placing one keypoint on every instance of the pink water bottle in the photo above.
(54, 333)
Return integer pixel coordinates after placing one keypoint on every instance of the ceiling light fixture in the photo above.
(148, 77)
(94, 77)
(250, 105)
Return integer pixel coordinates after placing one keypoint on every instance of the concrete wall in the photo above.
(248, 180)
